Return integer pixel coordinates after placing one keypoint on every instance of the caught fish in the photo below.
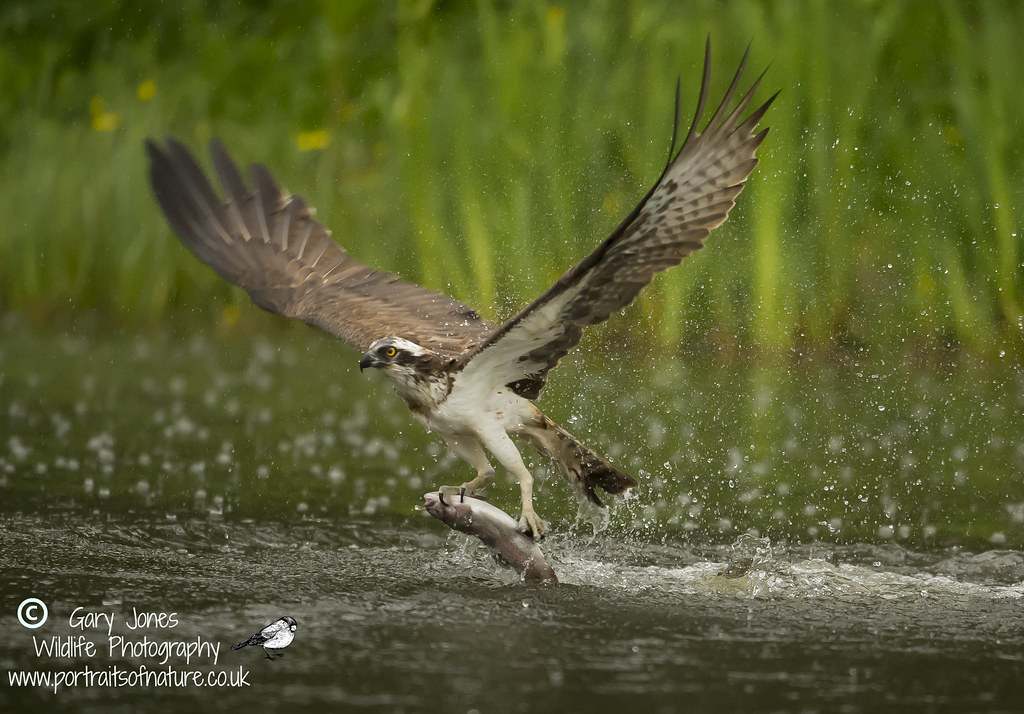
(496, 529)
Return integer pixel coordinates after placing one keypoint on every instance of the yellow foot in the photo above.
(532, 525)
(457, 494)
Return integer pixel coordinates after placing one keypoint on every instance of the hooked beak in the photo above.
(368, 360)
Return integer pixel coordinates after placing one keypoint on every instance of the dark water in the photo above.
(398, 616)
(796, 548)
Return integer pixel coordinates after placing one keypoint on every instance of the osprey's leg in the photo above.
(508, 456)
(469, 450)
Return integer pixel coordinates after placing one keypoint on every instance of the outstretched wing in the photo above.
(692, 197)
(267, 242)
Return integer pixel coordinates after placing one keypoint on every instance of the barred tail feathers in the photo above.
(581, 466)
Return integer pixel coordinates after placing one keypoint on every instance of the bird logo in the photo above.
(275, 636)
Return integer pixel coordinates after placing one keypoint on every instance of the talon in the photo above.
(450, 494)
(531, 524)
(462, 494)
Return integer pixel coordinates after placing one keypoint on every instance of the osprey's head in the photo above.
(417, 374)
(394, 354)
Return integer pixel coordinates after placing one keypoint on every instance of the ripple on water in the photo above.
(863, 571)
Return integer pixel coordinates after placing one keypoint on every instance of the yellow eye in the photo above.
(390, 351)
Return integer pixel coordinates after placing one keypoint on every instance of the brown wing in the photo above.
(692, 197)
(267, 242)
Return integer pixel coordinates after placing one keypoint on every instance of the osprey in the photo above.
(471, 382)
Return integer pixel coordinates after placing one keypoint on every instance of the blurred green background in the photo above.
(483, 147)
(850, 343)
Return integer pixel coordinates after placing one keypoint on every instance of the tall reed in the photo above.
(484, 148)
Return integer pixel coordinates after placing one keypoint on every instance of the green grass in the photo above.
(484, 147)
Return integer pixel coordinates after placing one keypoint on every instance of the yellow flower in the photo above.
(556, 15)
(554, 36)
(146, 90)
(229, 316)
(612, 203)
(102, 120)
(309, 140)
(925, 285)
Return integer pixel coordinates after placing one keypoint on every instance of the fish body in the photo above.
(496, 529)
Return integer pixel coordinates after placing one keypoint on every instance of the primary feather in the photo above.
(267, 242)
(692, 197)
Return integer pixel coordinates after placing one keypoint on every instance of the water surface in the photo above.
(839, 537)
